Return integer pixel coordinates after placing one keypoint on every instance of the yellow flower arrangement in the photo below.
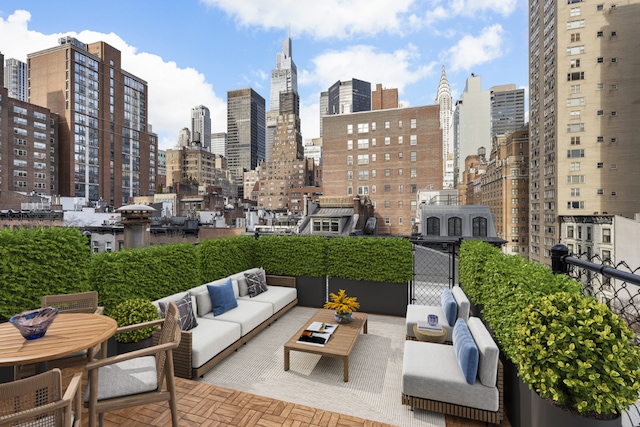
(342, 303)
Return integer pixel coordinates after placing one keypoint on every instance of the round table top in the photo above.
(69, 333)
(428, 336)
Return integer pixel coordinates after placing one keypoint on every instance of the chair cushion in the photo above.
(222, 297)
(462, 301)
(256, 283)
(488, 352)
(125, 378)
(187, 318)
(203, 301)
(466, 351)
(449, 306)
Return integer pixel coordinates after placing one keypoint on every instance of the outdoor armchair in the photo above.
(136, 378)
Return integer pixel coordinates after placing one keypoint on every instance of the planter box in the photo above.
(517, 396)
(375, 297)
(133, 346)
(312, 291)
(546, 414)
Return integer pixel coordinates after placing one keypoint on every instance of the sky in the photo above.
(192, 52)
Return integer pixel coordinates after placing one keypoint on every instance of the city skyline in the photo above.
(192, 53)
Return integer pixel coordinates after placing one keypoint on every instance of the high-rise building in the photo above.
(505, 189)
(196, 165)
(443, 98)
(472, 123)
(201, 126)
(507, 109)
(107, 150)
(284, 78)
(387, 156)
(15, 78)
(219, 143)
(347, 97)
(28, 146)
(583, 115)
(184, 137)
(245, 133)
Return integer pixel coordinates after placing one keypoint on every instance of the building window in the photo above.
(433, 226)
(599, 7)
(387, 204)
(400, 220)
(575, 192)
(414, 156)
(400, 172)
(578, 75)
(575, 140)
(575, 37)
(349, 144)
(600, 165)
(575, 63)
(387, 140)
(575, 153)
(400, 155)
(575, 205)
(479, 227)
(575, 50)
(387, 220)
(600, 138)
(614, 140)
(575, 89)
(373, 125)
(600, 113)
(599, 191)
(363, 127)
(400, 188)
(387, 124)
(414, 205)
(413, 173)
(606, 235)
(414, 188)
(599, 86)
(575, 127)
(399, 140)
(413, 139)
(606, 255)
(387, 172)
(600, 60)
(400, 204)
(400, 124)
(599, 33)
(570, 231)
(349, 175)
(349, 191)
(387, 188)
(414, 123)
(363, 190)
(614, 113)
(349, 129)
(454, 226)
(574, 11)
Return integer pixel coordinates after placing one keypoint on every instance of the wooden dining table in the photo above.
(68, 334)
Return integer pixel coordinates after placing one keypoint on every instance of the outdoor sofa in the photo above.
(464, 379)
(214, 337)
(454, 305)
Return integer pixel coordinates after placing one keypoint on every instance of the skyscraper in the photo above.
(219, 143)
(15, 79)
(584, 76)
(245, 133)
(446, 124)
(346, 97)
(507, 109)
(201, 126)
(284, 78)
(107, 150)
(472, 122)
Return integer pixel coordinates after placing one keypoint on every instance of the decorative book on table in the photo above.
(317, 333)
(424, 326)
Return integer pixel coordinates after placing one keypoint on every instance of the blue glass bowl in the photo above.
(34, 323)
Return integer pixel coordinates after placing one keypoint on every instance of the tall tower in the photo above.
(15, 79)
(346, 97)
(472, 122)
(107, 150)
(507, 110)
(584, 77)
(446, 124)
(201, 126)
(245, 133)
(284, 78)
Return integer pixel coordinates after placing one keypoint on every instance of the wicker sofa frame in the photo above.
(182, 356)
(459, 410)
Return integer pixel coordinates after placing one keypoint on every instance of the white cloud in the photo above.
(340, 19)
(173, 91)
(471, 51)
(467, 8)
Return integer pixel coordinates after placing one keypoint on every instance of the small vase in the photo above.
(342, 317)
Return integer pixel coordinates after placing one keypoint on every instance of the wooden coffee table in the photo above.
(339, 345)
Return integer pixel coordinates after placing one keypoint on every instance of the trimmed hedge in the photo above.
(150, 273)
(218, 258)
(293, 255)
(38, 262)
(372, 259)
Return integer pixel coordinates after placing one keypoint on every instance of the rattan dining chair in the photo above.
(38, 401)
(84, 302)
(136, 378)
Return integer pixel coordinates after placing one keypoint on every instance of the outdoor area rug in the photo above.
(375, 372)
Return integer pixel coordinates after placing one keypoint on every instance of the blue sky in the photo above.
(192, 52)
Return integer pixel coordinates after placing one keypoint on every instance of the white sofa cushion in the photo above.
(278, 296)
(210, 337)
(248, 314)
(488, 352)
(462, 301)
(431, 371)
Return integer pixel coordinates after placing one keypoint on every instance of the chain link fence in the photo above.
(435, 267)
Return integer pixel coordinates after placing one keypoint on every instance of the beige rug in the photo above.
(375, 370)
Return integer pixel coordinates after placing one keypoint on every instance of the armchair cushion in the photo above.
(243, 287)
(449, 306)
(125, 378)
(256, 283)
(222, 297)
(187, 318)
(466, 351)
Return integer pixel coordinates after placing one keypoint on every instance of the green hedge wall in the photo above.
(148, 273)
(293, 255)
(373, 259)
(505, 285)
(41, 261)
(223, 257)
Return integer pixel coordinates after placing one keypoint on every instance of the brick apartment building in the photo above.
(387, 155)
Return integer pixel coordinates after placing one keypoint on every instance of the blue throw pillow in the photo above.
(449, 306)
(222, 297)
(466, 351)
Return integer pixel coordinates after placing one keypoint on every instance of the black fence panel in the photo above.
(435, 267)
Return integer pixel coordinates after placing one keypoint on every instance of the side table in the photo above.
(435, 337)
